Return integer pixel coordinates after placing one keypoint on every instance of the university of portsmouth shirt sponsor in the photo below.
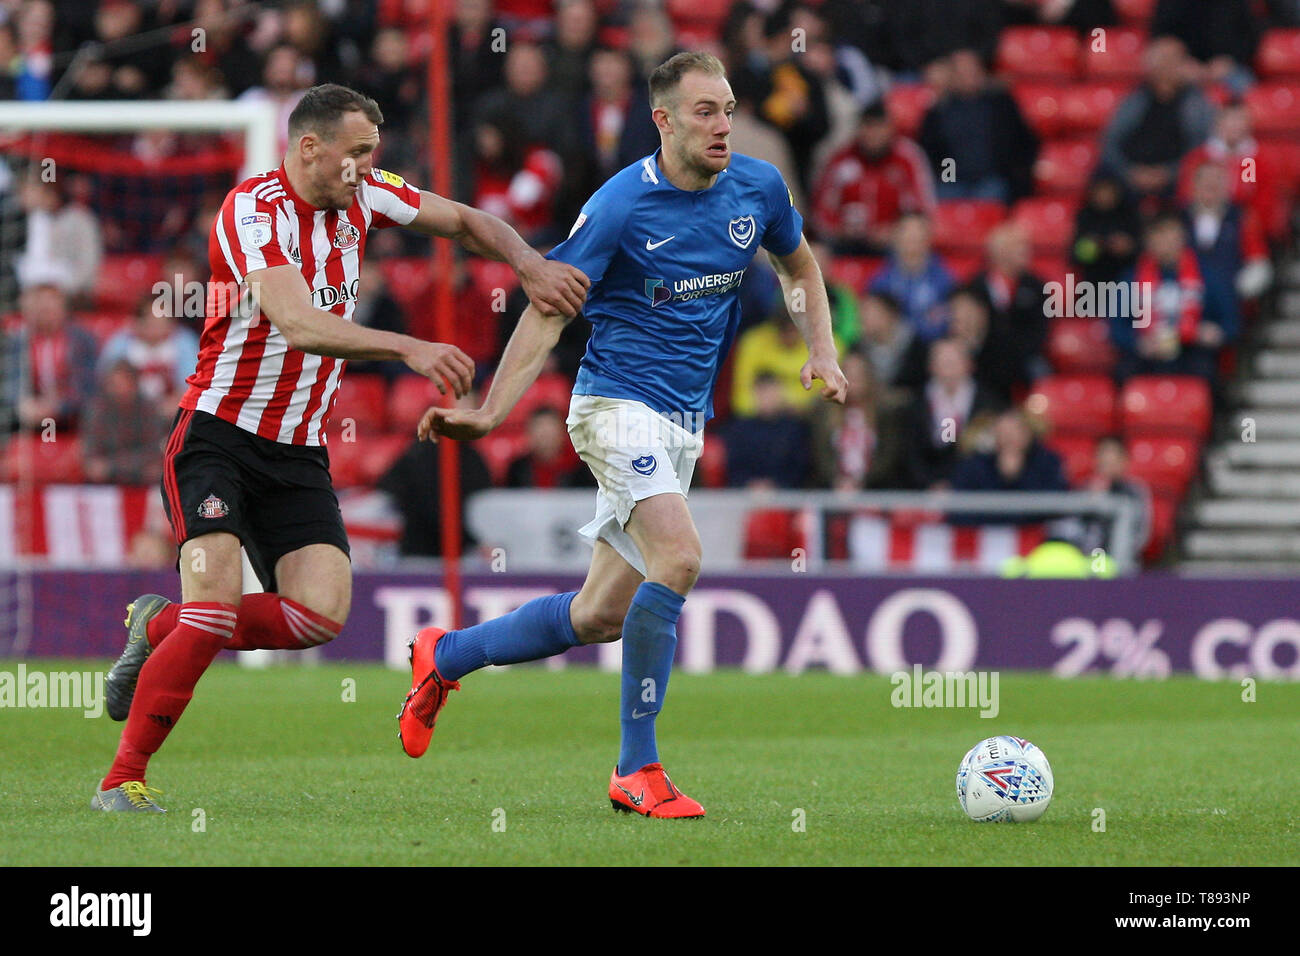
(693, 288)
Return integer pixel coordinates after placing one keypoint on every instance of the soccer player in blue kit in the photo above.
(665, 243)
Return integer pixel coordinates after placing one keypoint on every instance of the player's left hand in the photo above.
(827, 368)
(554, 286)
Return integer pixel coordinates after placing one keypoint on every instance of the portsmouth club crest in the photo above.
(346, 235)
(741, 231)
(213, 507)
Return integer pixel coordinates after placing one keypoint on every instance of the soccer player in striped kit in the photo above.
(246, 462)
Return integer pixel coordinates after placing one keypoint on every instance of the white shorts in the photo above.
(635, 453)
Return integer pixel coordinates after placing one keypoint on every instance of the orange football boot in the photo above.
(428, 694)
(650, 793)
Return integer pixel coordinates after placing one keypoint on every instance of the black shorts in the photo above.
(274, 497)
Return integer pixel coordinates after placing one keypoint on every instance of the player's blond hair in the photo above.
(668, 74)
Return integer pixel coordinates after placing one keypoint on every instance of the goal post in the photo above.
(256, 120)
(22, 127)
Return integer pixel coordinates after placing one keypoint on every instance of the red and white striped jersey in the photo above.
(247, 374)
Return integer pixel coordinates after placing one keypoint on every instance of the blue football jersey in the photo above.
(665, 265)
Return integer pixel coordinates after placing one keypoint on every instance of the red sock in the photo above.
(167, 683)
(266, 622)
(269, 622)
(162, 624)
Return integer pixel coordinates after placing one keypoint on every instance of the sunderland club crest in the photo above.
(213, 507)
(346, 235)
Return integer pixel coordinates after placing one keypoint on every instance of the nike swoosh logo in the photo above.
(636, 800)
(651, 246)
(637, 715)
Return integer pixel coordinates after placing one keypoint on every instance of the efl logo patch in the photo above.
(346, 236)
(213, 507)
(391, 178)
(645, 465)
(577, 223)
(741, 231)
(255, 229)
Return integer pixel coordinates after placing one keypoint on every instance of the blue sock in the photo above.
(538, 629)
(649, 641)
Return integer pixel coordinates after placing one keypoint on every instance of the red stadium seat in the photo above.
(907, 104)
(1275, 108)
(772, 533)
(1121, 60)
(1077, 455)
(1166, 405)
(1042, 106)
(1284, 156)
(28, 458)
(707, 13)
(409, 280)
(964, 265)
(1064, 165)
(1135, 11)
(961, 225)
(1074, 404)
(105, 325)
(1167, 465)
(855, 271)
(362, 462)
(1164, 514)
(490, 276)
(1050, 266)
(499, 449)
(711, 470)
(408, 399)
(551, 389)
(1080, 346)
(363, 399)
(1049, 221)
(616, 38)
(124, 279)
(1278, 55)
(1086, 108)
(1039, 52)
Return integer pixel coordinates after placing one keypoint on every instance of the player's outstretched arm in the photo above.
(551, 286)
(284, 299)
(805, 298)
(522, 360)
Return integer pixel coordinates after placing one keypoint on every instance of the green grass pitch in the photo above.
(286, 772)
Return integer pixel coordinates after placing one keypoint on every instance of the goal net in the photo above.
(103, 206)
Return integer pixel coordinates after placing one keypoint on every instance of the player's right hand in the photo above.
(462, 424)
(438, 362)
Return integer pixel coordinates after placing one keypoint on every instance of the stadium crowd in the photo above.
(952, 158)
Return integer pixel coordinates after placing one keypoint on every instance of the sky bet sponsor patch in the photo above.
(255, 229)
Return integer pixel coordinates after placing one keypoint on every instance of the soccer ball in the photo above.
(1004, 780)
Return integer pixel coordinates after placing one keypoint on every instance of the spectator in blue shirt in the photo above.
(917, 279)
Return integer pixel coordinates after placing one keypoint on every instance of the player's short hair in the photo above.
(321, 108)
(668, 74)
